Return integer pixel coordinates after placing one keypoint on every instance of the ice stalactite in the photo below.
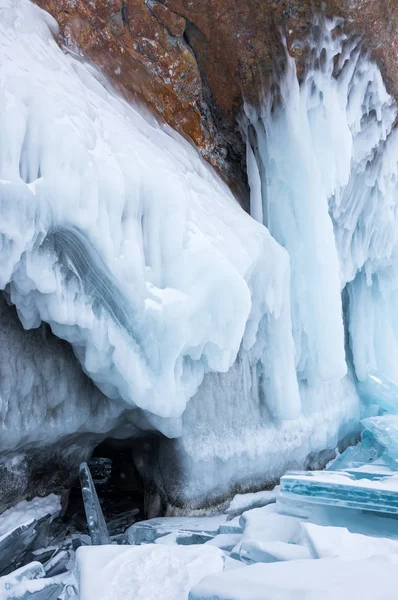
(326, 152)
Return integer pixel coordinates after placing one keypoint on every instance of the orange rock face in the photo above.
(195, 61)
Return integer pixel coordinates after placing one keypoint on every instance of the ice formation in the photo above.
(176, 302)
(94, 515)
(325, 153)
(116, 234)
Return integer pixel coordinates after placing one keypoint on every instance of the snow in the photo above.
(326, 578)
(243, 502)
(269, 526)
(254, 551)
(225, 541)
(329, 542)
(27, 511)
(144, 572)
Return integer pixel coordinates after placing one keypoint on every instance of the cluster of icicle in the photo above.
(323, 169)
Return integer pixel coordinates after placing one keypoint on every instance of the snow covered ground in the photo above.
(267, 554)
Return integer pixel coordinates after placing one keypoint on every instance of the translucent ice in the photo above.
(380, 390)
(328, 170)
(385, 430)
(372, 492)
(94, 515)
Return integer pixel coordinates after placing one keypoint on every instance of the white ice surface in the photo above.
(254, 551)
(28, 511)
(266, 525)
(242, 502)
(143, 572)
(329, 542)
(326, 579)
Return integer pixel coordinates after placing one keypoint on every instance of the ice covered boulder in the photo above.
(310, 579)
(144, 572)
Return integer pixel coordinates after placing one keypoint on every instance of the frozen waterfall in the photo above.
(323, 167)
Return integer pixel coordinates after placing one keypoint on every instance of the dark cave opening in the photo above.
(119, 486)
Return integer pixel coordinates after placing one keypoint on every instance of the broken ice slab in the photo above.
(326, 579)
(339, 488)
(149, 571)
(254, 551)
(385, 431)
(225, 541)
(95, 518)
(33, 570)
(16, 544)
(354, 456)
(231, 526)
(242, 502)
(58, 563)
(194, 530)
(330, 542)
(266, 525)
(380, 390)
(38, 589)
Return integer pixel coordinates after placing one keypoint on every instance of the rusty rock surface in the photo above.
(195, 61)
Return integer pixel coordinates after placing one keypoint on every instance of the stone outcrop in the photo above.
(193, 63)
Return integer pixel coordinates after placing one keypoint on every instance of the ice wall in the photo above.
(325, 153)
(224, 335)
(115, 233)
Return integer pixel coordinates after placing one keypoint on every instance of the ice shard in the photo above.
(94, 515)
(385, 431)
(379, 390)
